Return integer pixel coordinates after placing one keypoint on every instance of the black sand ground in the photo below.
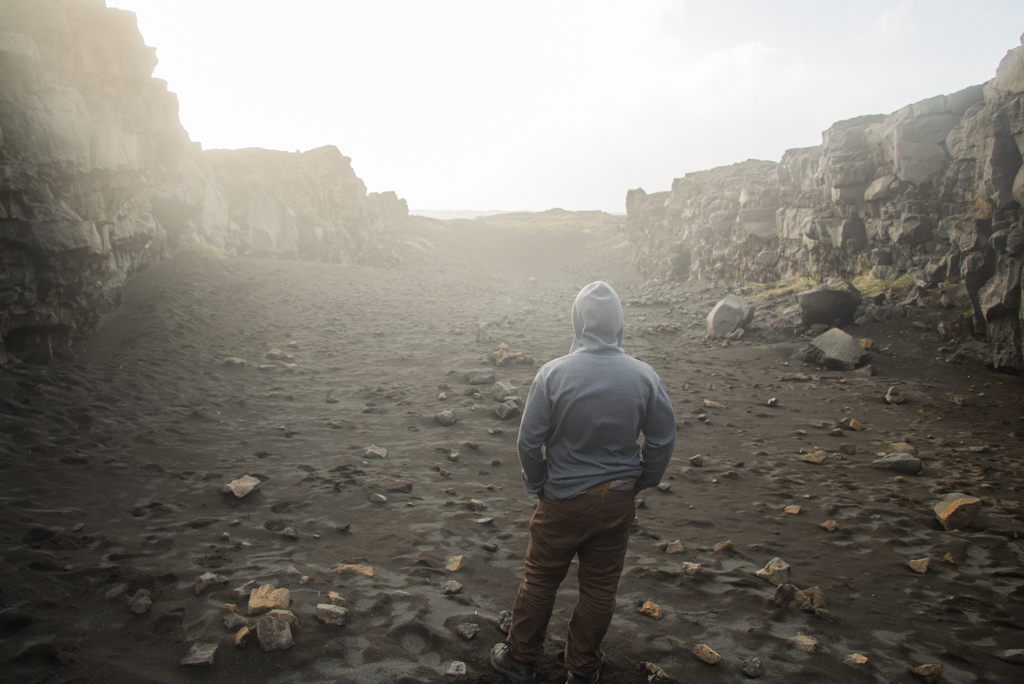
(111, 470)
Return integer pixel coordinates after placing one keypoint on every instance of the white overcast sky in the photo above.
(533, 105)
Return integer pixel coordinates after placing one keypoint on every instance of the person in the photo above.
(580, 452)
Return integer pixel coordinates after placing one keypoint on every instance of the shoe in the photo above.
(515, 671)
(580, 679)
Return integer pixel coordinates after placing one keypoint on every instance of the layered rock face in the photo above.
(933, 190)
(99, 177)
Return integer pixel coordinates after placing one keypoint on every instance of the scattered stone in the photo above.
(957, 511)
(141, 602)
(494, 431)
(804, 643)
(505, 620)
(364, 570)
(506, 410)
(456, 669)
(834, 349)
(752, 667)
(451, 587)
(962, 400)
(242, 486)
(266, 598)
(929, 673)
(727, 316)
(654, 673)
(200, 655)
(792, 510)
(664, 486)
(783, 595)
(487, 546)
(484, 521)
(722, 546)
(830, 526)
(456, 563)
(706, 654)
(696, 461)
(836, 432)
(374, 451)
(243, 591)
(207, 580)
(848, 449)
(674, 547)
(772, 402)
(286, 616)
(902, 448)
(776, 572)
(448, 417)
(480, 377)
(809, 600)
(377, 497)
(1014, 655)
(920, 565)
(274, 634)
(713, 404)
(502, 389)
(690, 569)
(949, 559)
(235, 621)
(815, 457)
(331, 614)
(467, 630)
(476, 505)
(290, 533)
(652, 610)
(854, 424)
(855, 659)
(901, 462)
(893, 396)
(235, 361)
(241, 637)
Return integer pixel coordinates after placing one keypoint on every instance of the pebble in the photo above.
(1014, 655)
(448, 417)
(674, 547)
(364, 570)
(690, 569)
(920, 565)
(652, 610)
(855, 659)
(331, 399)
(775, 571)
(929, 672)
(505, 620)
(902, 448)
(242, 486)
(200, 654)
(893, 396)
(706, 654)
(234, 622)
(752, 667)
(901, 462)
(467, 630)
(962, 400)
(722, 546)
(331, 614)
(772, 402)
(804, 643)
(506, 410)
(241, 637)
(285, 616)
(244, 590)
(489, 547)
(949, 559)
(374, 451)
(456, 669)
(455, 563)
(836, 432)
(207, 580)
(957, 510)
(848, 449)
(266, 597)
(274, 634)
(654, 673)
(451, 587)
(830, 525)
(377, 497)
(484, 521)
(815, 457)
(141, 602)
(476, 505)
(696, 461)
(290, 533)
(792, 510)
(664, 486)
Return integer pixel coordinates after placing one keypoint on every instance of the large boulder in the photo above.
(834, 300)
(835, 349)
(727, 316)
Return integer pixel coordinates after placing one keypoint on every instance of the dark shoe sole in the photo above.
(510, 675)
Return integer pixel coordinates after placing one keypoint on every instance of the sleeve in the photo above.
(659, 437)
(533, 431)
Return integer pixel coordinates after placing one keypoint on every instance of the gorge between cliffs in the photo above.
(227, 369)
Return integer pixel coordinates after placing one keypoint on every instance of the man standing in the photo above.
(578, 445)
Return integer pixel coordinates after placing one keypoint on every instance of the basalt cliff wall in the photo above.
(98, 178)
(933, 190)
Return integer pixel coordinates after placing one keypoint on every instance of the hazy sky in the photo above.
(531, 105)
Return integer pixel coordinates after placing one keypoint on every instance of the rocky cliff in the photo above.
(98, 178)
(933, 191)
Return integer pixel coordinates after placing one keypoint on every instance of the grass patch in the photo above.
(869, 285)
(203, 249)
(781, 288)
(421, 243)
(903, 284)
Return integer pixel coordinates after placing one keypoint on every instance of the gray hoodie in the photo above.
(588, 408)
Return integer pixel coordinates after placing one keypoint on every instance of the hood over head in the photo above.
(597, 320)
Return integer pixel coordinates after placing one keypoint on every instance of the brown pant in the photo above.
(595, 527)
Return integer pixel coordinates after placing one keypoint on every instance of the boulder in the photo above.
(835, 349)
(503, 389)
(728, 315)
(882, 189)
(836, 299)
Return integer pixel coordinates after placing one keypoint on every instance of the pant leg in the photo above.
(601, 557)
(554, 537)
